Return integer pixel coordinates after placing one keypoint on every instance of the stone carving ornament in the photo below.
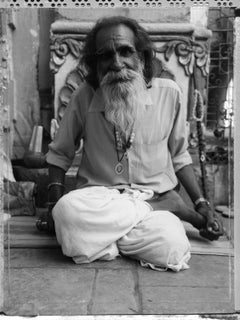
(61, 47)
(187, 50)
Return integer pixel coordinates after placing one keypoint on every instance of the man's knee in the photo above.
(172, 236)
(176, 242)
(170, 201)
(62, 202)
(160, 240)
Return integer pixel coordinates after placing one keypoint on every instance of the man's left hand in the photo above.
(214, 227)
(45, 223)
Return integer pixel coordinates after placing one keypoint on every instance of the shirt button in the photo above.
(125, 155)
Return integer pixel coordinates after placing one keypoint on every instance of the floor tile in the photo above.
(41, 291)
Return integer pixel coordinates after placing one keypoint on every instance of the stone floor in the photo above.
(44, 282)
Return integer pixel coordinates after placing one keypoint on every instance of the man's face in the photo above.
(116, 50)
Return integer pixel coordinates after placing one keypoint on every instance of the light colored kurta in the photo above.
(158, 150)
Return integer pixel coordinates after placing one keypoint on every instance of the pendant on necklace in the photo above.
(119, 168)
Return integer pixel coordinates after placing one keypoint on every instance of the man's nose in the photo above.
(117, 63)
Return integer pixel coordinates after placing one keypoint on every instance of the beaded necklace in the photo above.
(120, 147)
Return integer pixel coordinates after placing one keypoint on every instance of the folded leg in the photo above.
(89, 221)
(159, 239)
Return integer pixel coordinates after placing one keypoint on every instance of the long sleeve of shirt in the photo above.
(178, 143)
(62, 149)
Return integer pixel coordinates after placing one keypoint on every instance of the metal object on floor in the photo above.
(42, 225)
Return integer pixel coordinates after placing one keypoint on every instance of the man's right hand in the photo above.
(214, 227)
(46, 223)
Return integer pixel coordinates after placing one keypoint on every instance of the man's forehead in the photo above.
(115, 35)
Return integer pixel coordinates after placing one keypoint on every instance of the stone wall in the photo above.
(141, 14)
(24, 41)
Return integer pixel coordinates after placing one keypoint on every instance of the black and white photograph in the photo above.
(119, 159)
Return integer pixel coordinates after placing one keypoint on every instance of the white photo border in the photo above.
(116, 3)
(236, 88)
(14, 4)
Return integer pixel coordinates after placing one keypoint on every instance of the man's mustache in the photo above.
(119, 76)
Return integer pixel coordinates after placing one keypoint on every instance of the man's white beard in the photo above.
(123, 94)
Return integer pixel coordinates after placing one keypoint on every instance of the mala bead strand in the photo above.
(130, 140)
(119, 147)
(119, 144)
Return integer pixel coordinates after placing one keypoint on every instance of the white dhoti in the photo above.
(99, 223)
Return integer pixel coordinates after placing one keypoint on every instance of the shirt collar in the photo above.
(97, 103)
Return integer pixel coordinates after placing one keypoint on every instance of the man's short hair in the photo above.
(143, 45)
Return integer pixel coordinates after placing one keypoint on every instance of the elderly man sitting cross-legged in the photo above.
(134, 152)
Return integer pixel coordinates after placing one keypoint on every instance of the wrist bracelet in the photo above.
(200, 200)
(51, 203)
(55, 184)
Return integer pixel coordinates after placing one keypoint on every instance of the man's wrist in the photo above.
(56, 183)
(200, 201)
(204, 208)
(51, 204)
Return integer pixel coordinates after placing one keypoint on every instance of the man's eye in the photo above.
(107, 55)
(126, 51)
(123, 51)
